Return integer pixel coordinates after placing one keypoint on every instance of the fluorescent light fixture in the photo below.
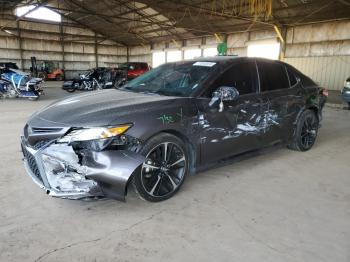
(8, 31)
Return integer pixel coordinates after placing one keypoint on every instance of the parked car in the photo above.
(9, 65)
(345, 93)
(168, 123)
(134, 69)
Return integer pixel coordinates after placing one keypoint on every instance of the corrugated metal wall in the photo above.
(329, 72)
(321, 51)
(72, 46)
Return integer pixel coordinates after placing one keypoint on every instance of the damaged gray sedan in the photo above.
(169, 123)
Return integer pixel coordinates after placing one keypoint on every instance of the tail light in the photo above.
(325, 92)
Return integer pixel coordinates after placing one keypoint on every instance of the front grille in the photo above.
(32, 163)
(46, 129)
(40, 144)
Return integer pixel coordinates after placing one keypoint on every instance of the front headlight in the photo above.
(94, 133)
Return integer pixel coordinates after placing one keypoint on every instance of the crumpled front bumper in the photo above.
(57, 169)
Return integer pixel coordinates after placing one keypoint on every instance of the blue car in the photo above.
(345, 93)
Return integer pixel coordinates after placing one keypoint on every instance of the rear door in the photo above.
(282, 98)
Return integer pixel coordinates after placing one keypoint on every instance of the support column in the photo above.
(283, 43)
(20, 45)
(96, 51)
(62, 46)
(183, 44)
(203, 43)
(282, 35)
(127, 54)
(166, 52)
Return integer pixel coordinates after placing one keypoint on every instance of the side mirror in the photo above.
(224, 93)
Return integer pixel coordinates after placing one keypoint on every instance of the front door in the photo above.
(234, 129)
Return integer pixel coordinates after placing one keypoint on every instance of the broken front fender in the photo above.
(112, 170)
(63, 173)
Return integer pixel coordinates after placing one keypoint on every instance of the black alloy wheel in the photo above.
(306, 131)
(164, 169)
(309, 131)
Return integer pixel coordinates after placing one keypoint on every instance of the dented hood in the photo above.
(97, 108)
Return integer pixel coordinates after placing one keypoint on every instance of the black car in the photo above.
(168, 123)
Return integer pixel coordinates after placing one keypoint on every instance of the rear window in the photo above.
(306, 81)
(273, 76)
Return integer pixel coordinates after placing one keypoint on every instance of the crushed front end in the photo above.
(73, 169)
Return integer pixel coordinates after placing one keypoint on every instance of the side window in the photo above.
(292, 79)
(273, 76)
(241, 76)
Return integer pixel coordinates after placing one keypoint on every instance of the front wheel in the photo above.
(164, 169)
(70, 90)
(305, 132)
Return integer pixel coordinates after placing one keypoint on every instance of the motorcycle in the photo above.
(17, 84)
(96, 79)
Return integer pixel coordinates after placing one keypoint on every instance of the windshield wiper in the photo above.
(169, 93)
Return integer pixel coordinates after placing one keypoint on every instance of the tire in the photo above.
(43, 76)
(348, 105)
(306, 132)
(70, 90)
(161, 175)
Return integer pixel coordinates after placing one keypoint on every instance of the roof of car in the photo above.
(219, 59)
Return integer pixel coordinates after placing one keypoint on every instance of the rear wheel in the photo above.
(306, 131)
(70, 90)
(164, 169)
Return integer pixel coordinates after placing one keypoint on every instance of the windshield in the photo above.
(124, 66)
(175, 79)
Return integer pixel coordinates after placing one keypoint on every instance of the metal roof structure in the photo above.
(149, 21)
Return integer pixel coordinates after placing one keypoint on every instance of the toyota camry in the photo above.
(167, 124)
